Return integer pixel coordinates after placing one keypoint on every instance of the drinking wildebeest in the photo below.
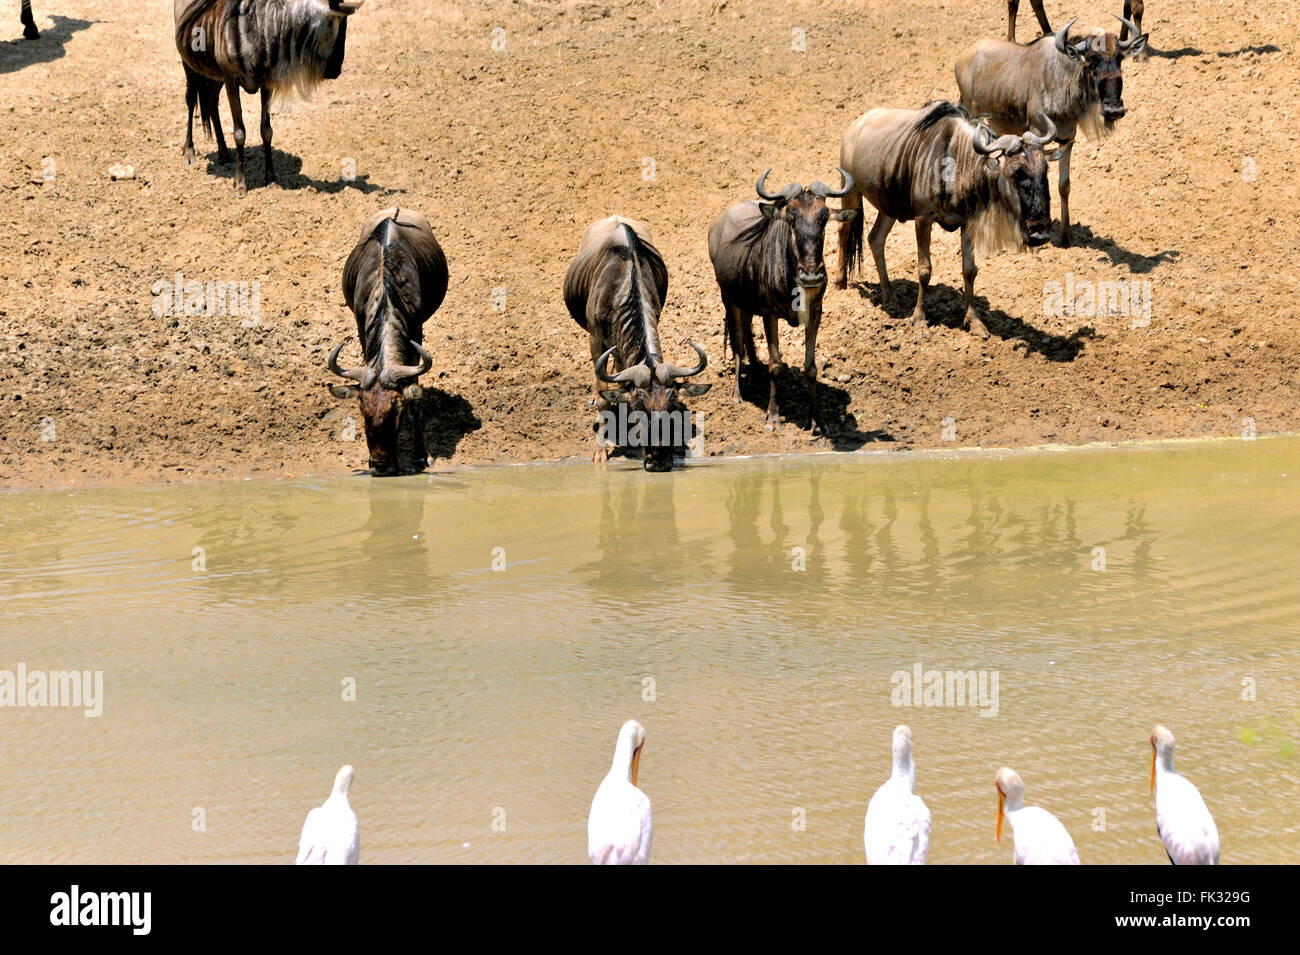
(29, 22)
(1013, 7)
(266, 45)
(1078, 85)
(767, 258)
(935, 166)
(615, 289)
(395, 278)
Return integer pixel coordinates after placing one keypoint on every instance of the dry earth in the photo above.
(511, 152)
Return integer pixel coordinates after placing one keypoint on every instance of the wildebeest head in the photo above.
(1101, 55)
(655, 388)
(1022, 168)
(383, 395)
(805, 211)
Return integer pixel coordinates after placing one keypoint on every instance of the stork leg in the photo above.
(1063, 160)
(972, 321)
(879, 232)
(774, 368)
(266, 134)
(923, 230)
(237, 125)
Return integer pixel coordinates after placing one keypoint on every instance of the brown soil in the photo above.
(511, 153)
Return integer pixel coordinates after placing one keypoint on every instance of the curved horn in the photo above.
(1061, 35)
(665, 373)
(986, 145)
(1037, 140)
(848, 184)
(763, 193)
(638, 375)
(389, 377)
(1133, 31)
(363, 376)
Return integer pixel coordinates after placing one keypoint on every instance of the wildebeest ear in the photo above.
(843, 215)
(693, 391)
(343, 391)
(1052, 154)
(771, 210)
(1137, 46)
(613, 397)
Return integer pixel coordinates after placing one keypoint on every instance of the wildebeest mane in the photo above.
(767, 244)
(636, 317)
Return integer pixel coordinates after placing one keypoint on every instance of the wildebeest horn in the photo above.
(763, 193)
(1133, 31)
(1061, 36)
(363, 376)
(665, 373)
(821, 189)
(638, 375)
(346, 7)
(984, 143)
(389, 377)
(1032, 137)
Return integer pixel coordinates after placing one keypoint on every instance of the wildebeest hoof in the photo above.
(842, 283)
(241, 190)
(1065, 238)
(188, 154)
(223, 157)
(601, 457)
(773, 423)
(31, 33)
(976, 327)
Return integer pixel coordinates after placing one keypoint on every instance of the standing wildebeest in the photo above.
(935, 166)
(1013, 6)
(395, 278)
(1076, 85)
(267, 45)
(29, 22)
(767, 257)
(615, 289)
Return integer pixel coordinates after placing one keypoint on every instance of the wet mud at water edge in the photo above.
(664, 112)
(755, 616)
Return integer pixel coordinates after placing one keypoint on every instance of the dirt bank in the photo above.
(511, 152)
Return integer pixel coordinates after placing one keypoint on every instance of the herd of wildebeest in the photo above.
(980, 167)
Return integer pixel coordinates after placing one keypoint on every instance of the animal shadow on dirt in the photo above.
(288, 171)
(792, 396)
(447, 418)
(945, 307)
(1193, 51)
(1118, 255)
(20, 53)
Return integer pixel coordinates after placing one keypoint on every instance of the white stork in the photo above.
(1040, 837)
(897, 827)
(1182, 820)
(620, 827)
(331, 836)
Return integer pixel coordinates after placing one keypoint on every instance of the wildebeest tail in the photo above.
(853, 245)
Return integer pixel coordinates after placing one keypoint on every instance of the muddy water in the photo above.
(771, 603)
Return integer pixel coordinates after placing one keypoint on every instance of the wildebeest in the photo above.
(615, 289)
(935, 166)
(1078, 85)
(269, 45)
(767, 258)
(29, 22)
(395, 278)
(1013, 6)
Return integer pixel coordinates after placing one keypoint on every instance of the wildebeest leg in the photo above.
(816, 425)
(876, 240)
(972, 321)
(29, 22)
(266, 133)
(774, 368)
(213, 93)
(601, 455)
(237, 126)
(851, 201)
(1013, 6)
(1133, 11)
(923, 231)
(193, 90)
(739, 330)
(1063, 160)
(1042, 17)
